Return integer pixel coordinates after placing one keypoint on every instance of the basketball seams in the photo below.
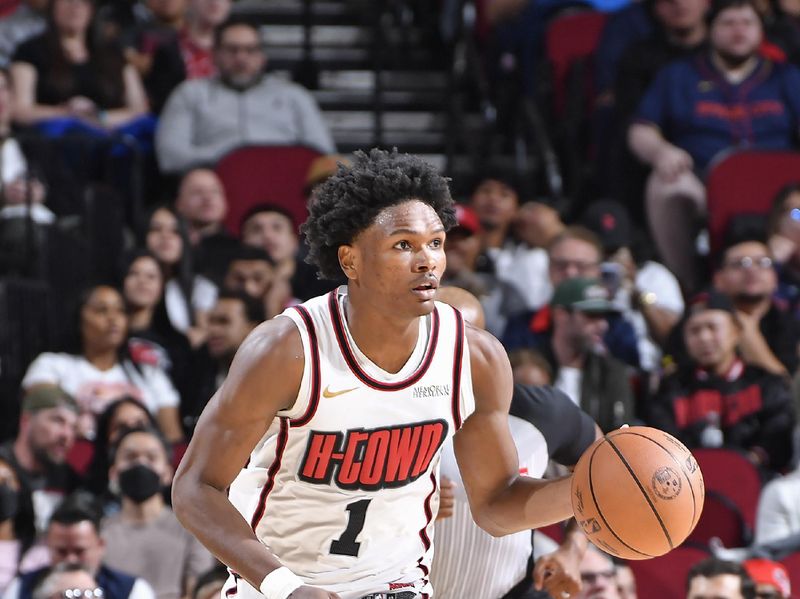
(682, 471)
(642, 489)
(597, 505)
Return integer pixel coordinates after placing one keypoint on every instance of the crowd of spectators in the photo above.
(618, 305)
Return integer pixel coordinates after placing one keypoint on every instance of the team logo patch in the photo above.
(667, 483)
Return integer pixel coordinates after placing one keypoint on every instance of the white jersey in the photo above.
(343, 487)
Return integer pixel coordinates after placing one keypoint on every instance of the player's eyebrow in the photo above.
(415, 232)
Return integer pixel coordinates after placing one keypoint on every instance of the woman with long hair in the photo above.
(188, 296)
(64, 75)
(97, 367)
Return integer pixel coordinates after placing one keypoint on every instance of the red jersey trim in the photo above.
(352, 363)
(283, 436)
(458, 355)
(313, 400)
(423, 532)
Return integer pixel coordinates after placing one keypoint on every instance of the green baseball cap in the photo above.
(586, 295)
(43, 397)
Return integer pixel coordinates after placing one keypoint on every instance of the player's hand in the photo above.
(672, 162)
(306, 592)
(447, 498)
(558, 573)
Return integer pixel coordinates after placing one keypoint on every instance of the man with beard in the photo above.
(38, 454)
(595, 381)
(770, 335)
(717, 399)
(205, 118)
(699, 107)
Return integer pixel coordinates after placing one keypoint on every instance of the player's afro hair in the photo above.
(349, 201)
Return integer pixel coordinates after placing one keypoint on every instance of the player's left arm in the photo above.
(502, 502)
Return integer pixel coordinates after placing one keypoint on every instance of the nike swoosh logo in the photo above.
(328, 393)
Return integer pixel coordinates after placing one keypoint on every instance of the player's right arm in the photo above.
(264, 378)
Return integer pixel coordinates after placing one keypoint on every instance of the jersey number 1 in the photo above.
(347, 544)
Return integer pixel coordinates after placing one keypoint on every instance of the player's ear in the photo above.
(348, 260)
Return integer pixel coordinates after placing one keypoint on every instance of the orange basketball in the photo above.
(637, 493)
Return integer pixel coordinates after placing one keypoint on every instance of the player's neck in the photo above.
(144, 512)
(384, 338)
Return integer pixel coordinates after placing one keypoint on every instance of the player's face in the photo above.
(495, 203)
(723, 586)
(273, 232)
(201, 198)
(104, 323)
(51, 434)
(143, 283)
(398, 260)
(76, 543)
(747, 272)
(573, 258)
(711, 337)
(736, 34)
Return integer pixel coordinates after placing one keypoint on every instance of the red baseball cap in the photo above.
(764, 571)
(467, 219)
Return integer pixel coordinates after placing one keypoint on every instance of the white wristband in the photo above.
(280, 583)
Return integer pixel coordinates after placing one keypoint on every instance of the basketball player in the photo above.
(338, 410)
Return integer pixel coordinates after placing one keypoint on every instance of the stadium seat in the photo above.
(80, 456)
(569, 39)
(723, 520)
(729, 473)
(792, 563)
(265, 174)
(665, 577)
(745, 183)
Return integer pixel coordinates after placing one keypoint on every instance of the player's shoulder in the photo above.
(275, 342)
(488, 357)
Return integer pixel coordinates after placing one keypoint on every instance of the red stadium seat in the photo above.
(569, 39)
(722, 519)
(792, 563)
(80, 456)
(665, 577)
(265, 174)
(745, 183)
(729, 473)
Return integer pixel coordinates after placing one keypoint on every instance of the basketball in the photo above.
(637, 493)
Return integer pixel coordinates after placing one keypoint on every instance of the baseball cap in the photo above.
(710, 299)
(610, 222)
(585, 295)
(767, 572)
(467, 220)
(43, 397)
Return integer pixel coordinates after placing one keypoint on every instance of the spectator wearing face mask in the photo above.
(145, 538)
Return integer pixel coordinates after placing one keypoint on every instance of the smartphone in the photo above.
(611, 276)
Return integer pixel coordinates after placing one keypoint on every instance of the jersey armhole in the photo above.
(304, 395)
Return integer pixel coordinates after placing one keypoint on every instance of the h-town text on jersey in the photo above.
(372, 459)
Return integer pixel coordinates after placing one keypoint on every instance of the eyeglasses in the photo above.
(748, 262)
(95, 593)
(592, 577)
